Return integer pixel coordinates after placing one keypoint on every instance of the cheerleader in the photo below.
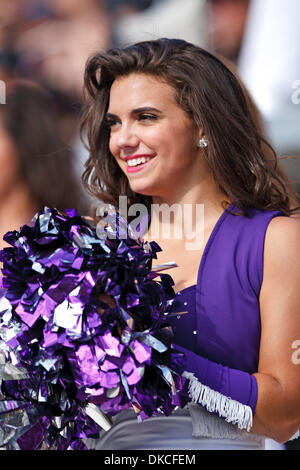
(168, 126)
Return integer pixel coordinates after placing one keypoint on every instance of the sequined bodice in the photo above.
(184, 324)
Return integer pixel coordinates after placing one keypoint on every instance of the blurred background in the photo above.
(47, 42)
(44, 45)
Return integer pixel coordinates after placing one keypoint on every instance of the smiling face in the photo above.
(152, 139)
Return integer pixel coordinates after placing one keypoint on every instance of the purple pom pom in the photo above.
(83, 332)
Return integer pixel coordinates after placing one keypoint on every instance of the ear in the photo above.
(202, 142)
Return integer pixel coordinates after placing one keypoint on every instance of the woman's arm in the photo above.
(278, 405)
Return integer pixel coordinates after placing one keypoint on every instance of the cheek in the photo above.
(176, 149)
(176, 137)
(115, 154)
(113, 148)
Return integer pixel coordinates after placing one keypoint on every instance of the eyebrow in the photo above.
(142, 109)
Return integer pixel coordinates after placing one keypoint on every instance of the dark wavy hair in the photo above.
(212, 97)
(31, 118)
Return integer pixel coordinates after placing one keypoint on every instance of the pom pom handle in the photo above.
(98, 416)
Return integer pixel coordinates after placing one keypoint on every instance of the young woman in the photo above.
(168, 126)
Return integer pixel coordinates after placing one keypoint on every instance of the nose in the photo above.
(126, 137)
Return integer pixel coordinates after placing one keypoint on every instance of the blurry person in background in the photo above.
(257, 116)
(226, 24)
(10, 16)
(8, 59)
(125, 7)
(269, 65)
(36, 167)
(121, 10)
(56, 50)
(161, 18)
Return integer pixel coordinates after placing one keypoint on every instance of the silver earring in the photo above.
(202, 142)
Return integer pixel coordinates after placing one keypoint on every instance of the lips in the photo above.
(136, 163)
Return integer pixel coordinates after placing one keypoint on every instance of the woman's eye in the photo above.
(110, 122)
(147, 117)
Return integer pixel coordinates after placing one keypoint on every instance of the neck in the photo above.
(205, 195)
(187, 215)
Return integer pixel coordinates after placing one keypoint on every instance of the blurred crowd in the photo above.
(47, 42)
(44, 45)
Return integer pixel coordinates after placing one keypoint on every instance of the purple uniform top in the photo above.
(220, 336)
(223, 319)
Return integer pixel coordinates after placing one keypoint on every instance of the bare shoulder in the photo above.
(280, 293)
(282, 229)
(282, 242)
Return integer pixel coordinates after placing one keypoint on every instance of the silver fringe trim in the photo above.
(231, 410)
(295, 436)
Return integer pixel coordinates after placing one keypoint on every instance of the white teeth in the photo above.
(138, 161)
